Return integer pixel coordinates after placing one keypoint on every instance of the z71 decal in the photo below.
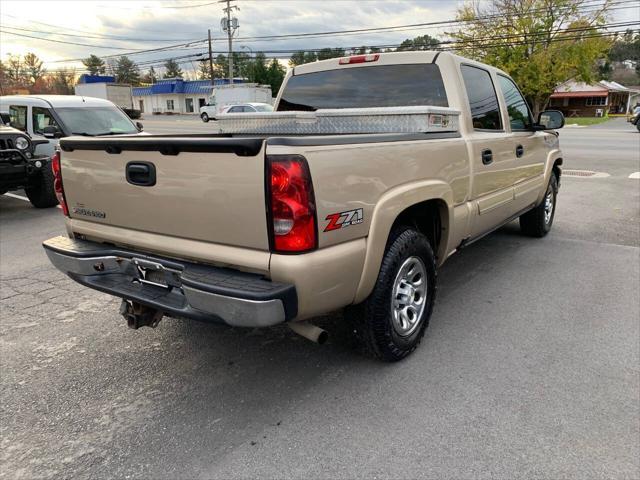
(343, 219)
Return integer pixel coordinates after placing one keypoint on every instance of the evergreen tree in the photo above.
(126, 71)
(95, 65)
(172, 69)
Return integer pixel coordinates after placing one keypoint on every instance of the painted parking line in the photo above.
(635, 175)
(20, 197)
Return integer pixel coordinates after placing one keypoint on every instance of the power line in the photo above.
(588, 4)
(62, 41)
(159, 6)
(100, 37)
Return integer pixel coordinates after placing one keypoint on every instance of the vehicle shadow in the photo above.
(232, 386)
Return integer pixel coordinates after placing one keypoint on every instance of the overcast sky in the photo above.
(154, 24)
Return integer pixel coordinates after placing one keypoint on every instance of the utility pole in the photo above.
(230, 25)
(210, 59)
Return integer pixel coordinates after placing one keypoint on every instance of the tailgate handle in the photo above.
(142, 174)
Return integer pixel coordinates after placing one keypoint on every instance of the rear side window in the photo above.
(519, 115)
(18, 117)
(483, 101)
(362, 87)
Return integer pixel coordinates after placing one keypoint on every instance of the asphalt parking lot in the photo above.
(530, 367)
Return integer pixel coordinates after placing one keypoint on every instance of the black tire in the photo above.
(40, 192)
(204, 117)
(535, 222)
(373, 319)
(638, 125)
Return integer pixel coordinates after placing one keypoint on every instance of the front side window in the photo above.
(519, 115)
(18, 117)
(362, 87)
(95, 120)
(483, 102)
(235, 110)
(42, 118)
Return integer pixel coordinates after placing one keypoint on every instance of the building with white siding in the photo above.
(175, 95)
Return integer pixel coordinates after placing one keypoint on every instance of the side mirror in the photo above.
(49, 131)
(139, 126)
(551, 120)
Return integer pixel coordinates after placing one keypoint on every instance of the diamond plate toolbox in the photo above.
(410, 119)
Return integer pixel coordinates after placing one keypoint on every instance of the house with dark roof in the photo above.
(579, 99)
(175, 95)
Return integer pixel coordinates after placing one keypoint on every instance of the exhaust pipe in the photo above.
(310, 332)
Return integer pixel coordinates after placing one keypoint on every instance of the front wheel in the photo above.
(204, 117)
(40, 192)
(392, 321)
(537, 222)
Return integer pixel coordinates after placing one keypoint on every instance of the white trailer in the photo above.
(117, 93)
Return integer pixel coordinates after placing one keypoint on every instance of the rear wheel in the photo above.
(537, 222)
(40, 191)
(204, 117)
(392, 321)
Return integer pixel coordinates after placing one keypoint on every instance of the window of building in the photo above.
(483, 102)
(596, 101)
(188, 104)
(519, 114)
(18, 117)
(169, 104)
(41, 118)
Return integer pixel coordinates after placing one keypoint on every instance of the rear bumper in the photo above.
(177, 288)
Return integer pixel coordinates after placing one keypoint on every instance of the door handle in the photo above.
(487, 157)
(519, 151)
(142, 174)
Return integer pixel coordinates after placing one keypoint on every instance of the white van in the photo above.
(56, 116)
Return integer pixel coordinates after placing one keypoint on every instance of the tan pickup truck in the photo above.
(257, 230)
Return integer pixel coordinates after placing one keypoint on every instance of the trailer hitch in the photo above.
(138, 315)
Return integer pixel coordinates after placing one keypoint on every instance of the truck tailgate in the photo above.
(208, 189)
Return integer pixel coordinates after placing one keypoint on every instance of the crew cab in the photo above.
(259, 229)
(51, 117)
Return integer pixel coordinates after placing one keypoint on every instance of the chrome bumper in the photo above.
(179, 289)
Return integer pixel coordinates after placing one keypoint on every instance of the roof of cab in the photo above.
(389, 58)
(56, 101)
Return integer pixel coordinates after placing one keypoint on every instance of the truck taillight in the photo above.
(292, 209)
(57, 182)
(372, 57)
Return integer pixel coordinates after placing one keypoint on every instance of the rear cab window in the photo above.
(483, 101)
(363, 87)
